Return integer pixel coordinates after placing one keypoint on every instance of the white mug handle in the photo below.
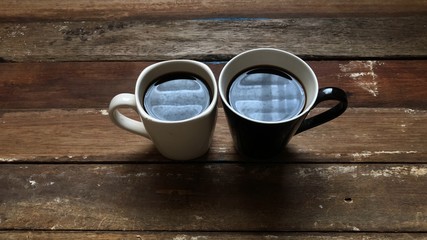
(126, 100)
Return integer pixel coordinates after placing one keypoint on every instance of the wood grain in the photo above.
(26, 10)
(213, 39)
(368, 83)
(167, 235)
(214, 197)
(88, 135)
(66, 172)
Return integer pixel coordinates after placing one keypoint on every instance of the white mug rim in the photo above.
(213, 87)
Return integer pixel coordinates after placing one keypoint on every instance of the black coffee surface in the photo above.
(267, 94)
(176, 96)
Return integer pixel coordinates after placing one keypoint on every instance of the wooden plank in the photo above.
(214, 197)
(382, 83)
(26, 10)
(213, 39)
(143, 235)
(88, 135)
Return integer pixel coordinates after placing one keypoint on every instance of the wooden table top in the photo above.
(66, 172)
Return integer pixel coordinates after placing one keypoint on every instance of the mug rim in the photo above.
(224, 98)
(212, 85)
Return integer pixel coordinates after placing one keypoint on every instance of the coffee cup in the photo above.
(267, 94)
(176, 103)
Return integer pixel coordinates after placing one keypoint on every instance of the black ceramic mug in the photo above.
(267, 94)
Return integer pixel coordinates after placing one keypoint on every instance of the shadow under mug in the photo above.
(264, 139)
(179, 140)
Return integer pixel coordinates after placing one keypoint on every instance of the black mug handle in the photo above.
(328, 93)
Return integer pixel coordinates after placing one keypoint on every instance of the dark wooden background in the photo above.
(67, 172)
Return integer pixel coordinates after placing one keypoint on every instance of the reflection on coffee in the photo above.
(176, 96)
(267, 94)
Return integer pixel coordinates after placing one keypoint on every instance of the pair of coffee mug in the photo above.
(266, 94)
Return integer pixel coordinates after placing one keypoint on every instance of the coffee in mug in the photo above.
(267, 93)
(176, 96)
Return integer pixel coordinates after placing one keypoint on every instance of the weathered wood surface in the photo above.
(66, 172)
(143, 235)
(25, 10)
(87, 135)
(79, 92)
(372, 83)
(213, 39)
(214, 197)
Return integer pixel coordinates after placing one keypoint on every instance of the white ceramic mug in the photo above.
(179, 140)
